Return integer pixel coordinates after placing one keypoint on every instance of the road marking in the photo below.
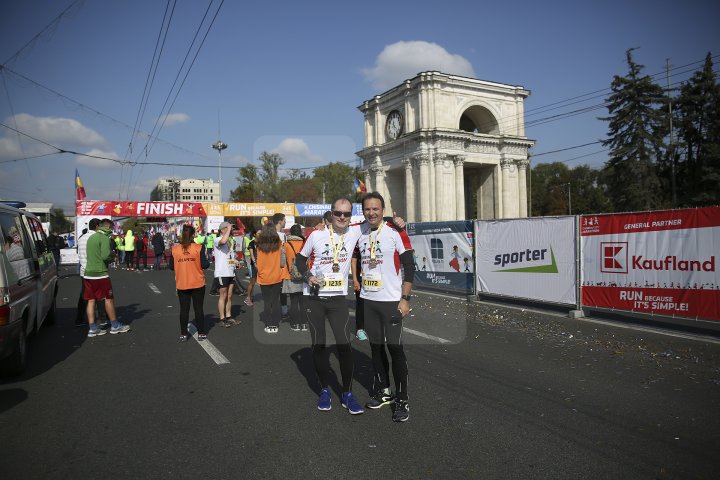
(209, 348)
(154, 288)
(425, 335)
(418, 333)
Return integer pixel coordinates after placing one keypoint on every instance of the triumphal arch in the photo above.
(443, 147)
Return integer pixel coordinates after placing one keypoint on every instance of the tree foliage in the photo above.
(698, 138)
(58, 222)
(266, 183)
(559, 190)
(636, 130)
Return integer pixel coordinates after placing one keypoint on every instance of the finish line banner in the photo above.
(531, 258)
(100, 209)
(662, 263)
(443, 255)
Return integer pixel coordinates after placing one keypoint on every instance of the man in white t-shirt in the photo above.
(386, 262)
(225, 264)
(325, 294)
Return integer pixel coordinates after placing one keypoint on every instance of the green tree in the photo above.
(270, 187)
(298, 187)
(249, 184)
(698, 135)
(549, 189)
(588, 191)
(636, 128)
(334, 180)
(58, 222)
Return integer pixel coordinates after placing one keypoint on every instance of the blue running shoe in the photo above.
(349, 402)
(325, 401)
(361, 335)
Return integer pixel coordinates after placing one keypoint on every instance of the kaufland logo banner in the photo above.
(527, 258)
(653, 262)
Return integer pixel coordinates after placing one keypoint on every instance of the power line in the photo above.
(38, 35)
(149, 82)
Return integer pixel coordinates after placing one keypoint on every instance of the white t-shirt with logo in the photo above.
(319, 248)
(224, 259)
(383, 282)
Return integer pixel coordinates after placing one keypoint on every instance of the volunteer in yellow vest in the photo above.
(129, 249)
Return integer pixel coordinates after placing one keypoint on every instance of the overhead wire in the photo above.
(55, 21)
(163, 114)
(150, 79)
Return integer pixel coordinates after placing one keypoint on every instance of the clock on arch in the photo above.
(394, 125)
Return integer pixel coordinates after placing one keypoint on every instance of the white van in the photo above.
(28, 284)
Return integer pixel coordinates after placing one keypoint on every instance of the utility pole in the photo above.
(219, 146)
(670, 146)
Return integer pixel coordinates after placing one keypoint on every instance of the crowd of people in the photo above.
(304, 281)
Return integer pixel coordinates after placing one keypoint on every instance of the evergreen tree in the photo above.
(636, 128)
(698, 138)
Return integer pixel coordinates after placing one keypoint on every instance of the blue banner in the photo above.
(319, 209)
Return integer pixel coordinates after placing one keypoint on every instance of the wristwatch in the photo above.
(406, 297)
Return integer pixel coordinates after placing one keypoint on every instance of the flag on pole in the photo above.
(79, 189)
(359, 186)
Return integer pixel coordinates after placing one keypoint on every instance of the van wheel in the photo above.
(15, 363)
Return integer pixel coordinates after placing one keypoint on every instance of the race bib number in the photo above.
(372, 282)
(334, 282)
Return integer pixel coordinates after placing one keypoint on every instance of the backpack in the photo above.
(292, 267)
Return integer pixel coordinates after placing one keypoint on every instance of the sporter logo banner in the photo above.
(530, 258)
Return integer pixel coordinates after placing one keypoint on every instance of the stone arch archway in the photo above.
(478, 119)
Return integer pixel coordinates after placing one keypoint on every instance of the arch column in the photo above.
(379, 180)
(522, 166)
(459, 161)
(507, 165)
(423, 161)
(440, 201)
(409, 190)
(367, 178)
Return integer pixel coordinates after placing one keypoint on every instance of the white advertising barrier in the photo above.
(662, 263)
(530, 258)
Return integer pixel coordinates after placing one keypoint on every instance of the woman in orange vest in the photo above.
(189, 260)
(271, 271)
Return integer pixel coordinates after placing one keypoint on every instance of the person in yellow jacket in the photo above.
(210, 245)
(120, 245)
(129, 249)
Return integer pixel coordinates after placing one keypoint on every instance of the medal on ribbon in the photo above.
(373, 245)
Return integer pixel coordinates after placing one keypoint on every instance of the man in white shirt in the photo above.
(324, 294)
(386, 262)
(225, 264)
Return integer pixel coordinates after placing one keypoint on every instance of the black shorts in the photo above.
(224, 282)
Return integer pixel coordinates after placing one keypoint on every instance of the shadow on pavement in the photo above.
(363, 371)
(51, 345)
(11, 397)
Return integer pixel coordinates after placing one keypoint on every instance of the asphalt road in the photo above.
(495, 392)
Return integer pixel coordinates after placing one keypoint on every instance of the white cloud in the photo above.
(296, 153)
(98, 162)
(174, 119)
(64, 133)
(403, 60)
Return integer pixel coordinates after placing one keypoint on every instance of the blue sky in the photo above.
(288, 77)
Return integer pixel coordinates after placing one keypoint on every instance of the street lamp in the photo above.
(219, 146)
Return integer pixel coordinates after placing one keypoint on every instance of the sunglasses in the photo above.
(342, 214)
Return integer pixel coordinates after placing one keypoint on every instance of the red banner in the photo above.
(662, 263)
(139, 209)
(659, 301)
